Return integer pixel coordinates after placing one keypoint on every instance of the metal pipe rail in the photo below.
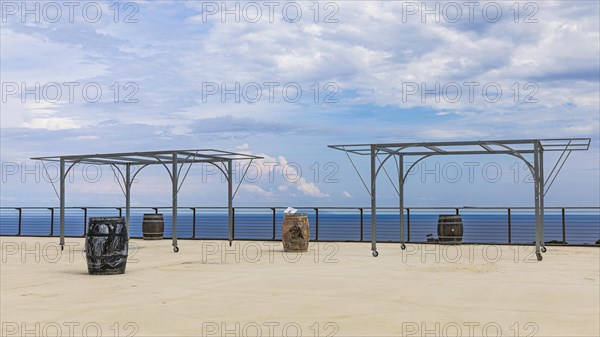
(496, 225)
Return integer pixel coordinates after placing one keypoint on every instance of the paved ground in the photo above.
(335, 289)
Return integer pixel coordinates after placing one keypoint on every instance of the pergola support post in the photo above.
(373, 201)
(230, 201)
(541, 188)
(128, 197)
(175, 181)
(62, 203)
(401, 197)
(536, 180)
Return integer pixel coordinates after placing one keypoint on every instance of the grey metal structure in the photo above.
(423, 150)
(176, 159)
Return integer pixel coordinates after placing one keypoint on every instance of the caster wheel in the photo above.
(403, 246)
(543, 249)
(175, 249)
(539, 256)
(375, 253)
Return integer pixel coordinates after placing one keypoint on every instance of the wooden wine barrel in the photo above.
(450, 229)
(106, 246)
(295, 232)
(153, 227)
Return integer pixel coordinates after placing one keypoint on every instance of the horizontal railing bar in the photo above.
(303, 207)
(485, 224)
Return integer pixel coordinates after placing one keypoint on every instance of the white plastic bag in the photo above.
(290, 210)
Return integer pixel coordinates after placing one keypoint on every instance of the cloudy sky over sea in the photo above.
(285, 79)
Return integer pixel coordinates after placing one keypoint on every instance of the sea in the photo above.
(581, 226)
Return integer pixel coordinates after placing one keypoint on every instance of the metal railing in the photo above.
(498, 225)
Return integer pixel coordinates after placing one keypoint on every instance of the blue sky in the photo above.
(369, 62)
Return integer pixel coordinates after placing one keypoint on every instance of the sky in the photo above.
(283, 80)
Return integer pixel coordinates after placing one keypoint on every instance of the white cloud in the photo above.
(347, 194)
(243, 147)
(53, 124)
(369, 53)
(85, 138)
(310, 189)
(256, 190)
(280, 168)
(368, 65)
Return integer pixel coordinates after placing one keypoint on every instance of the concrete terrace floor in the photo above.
(334, 289)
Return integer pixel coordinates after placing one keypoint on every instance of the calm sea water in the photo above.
(479, 227)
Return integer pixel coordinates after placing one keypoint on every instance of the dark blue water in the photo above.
(479, 226)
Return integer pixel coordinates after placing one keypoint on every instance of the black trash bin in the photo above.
(106, 246)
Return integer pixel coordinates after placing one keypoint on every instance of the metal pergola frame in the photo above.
(517, 148)
(176, 159)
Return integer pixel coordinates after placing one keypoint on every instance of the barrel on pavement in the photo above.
(153, 227)
(295, 232)
(106, 245)
(450, 229)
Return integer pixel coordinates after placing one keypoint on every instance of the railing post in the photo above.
(316, 224)
(232, 222)
(408, 225)
(20, 221)
(84, 220)
(509, 227)
(457, 211)
(193, 223)
(361, 224)
(51, 220)
(155, 210)
(273, 209)
(120, 211)
(564, 228)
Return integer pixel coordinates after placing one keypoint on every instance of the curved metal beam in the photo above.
(132, 177)
(518, 155)
(386, 158)
(138, 171)
(70, 167)
(181, 167)
(118, 169)
(122, 176)
(165, 165)
(413, 165)
(220, 169)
